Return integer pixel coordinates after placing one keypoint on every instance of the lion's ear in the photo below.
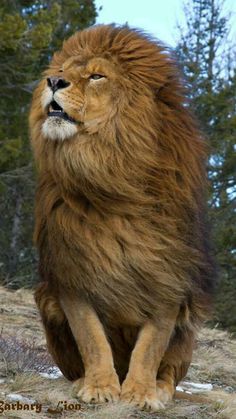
(173, 93)
(163, 94)
(158, 91)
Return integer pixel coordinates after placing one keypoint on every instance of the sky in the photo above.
(158, 17)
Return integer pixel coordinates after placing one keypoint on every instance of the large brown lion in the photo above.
(120, 217)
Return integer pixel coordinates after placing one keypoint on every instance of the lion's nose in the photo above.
(56, 83)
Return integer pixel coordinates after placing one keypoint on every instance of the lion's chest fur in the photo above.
(115, 261)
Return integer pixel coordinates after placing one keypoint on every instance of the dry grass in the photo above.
(215, 359)
(24, 356)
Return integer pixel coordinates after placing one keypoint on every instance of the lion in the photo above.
(120, 221)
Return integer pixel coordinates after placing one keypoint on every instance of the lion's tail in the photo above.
(60, 341)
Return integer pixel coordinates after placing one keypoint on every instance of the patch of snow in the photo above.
(17, 397)
(2, 380)
(52, 373)
(178, 388)
(196, 387)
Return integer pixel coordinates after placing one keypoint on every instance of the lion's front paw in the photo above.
(98, 388)
(143, 395)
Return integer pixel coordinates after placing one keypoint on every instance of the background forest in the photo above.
(29, 33)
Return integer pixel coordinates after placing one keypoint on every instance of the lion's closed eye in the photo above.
(96, 76)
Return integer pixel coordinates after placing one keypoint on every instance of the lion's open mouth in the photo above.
(56, 110)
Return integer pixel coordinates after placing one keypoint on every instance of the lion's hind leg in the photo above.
(175, 363)
(60, 341)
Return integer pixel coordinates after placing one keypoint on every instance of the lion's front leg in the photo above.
(140, 386)
(100, 382)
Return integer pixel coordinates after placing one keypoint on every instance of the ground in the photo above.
(27, 373)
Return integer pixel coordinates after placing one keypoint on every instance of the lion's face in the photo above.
(104, 80)
(78, 95)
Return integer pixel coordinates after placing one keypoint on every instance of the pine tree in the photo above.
(210, 70)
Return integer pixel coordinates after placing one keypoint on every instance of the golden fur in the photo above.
(120, 218)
